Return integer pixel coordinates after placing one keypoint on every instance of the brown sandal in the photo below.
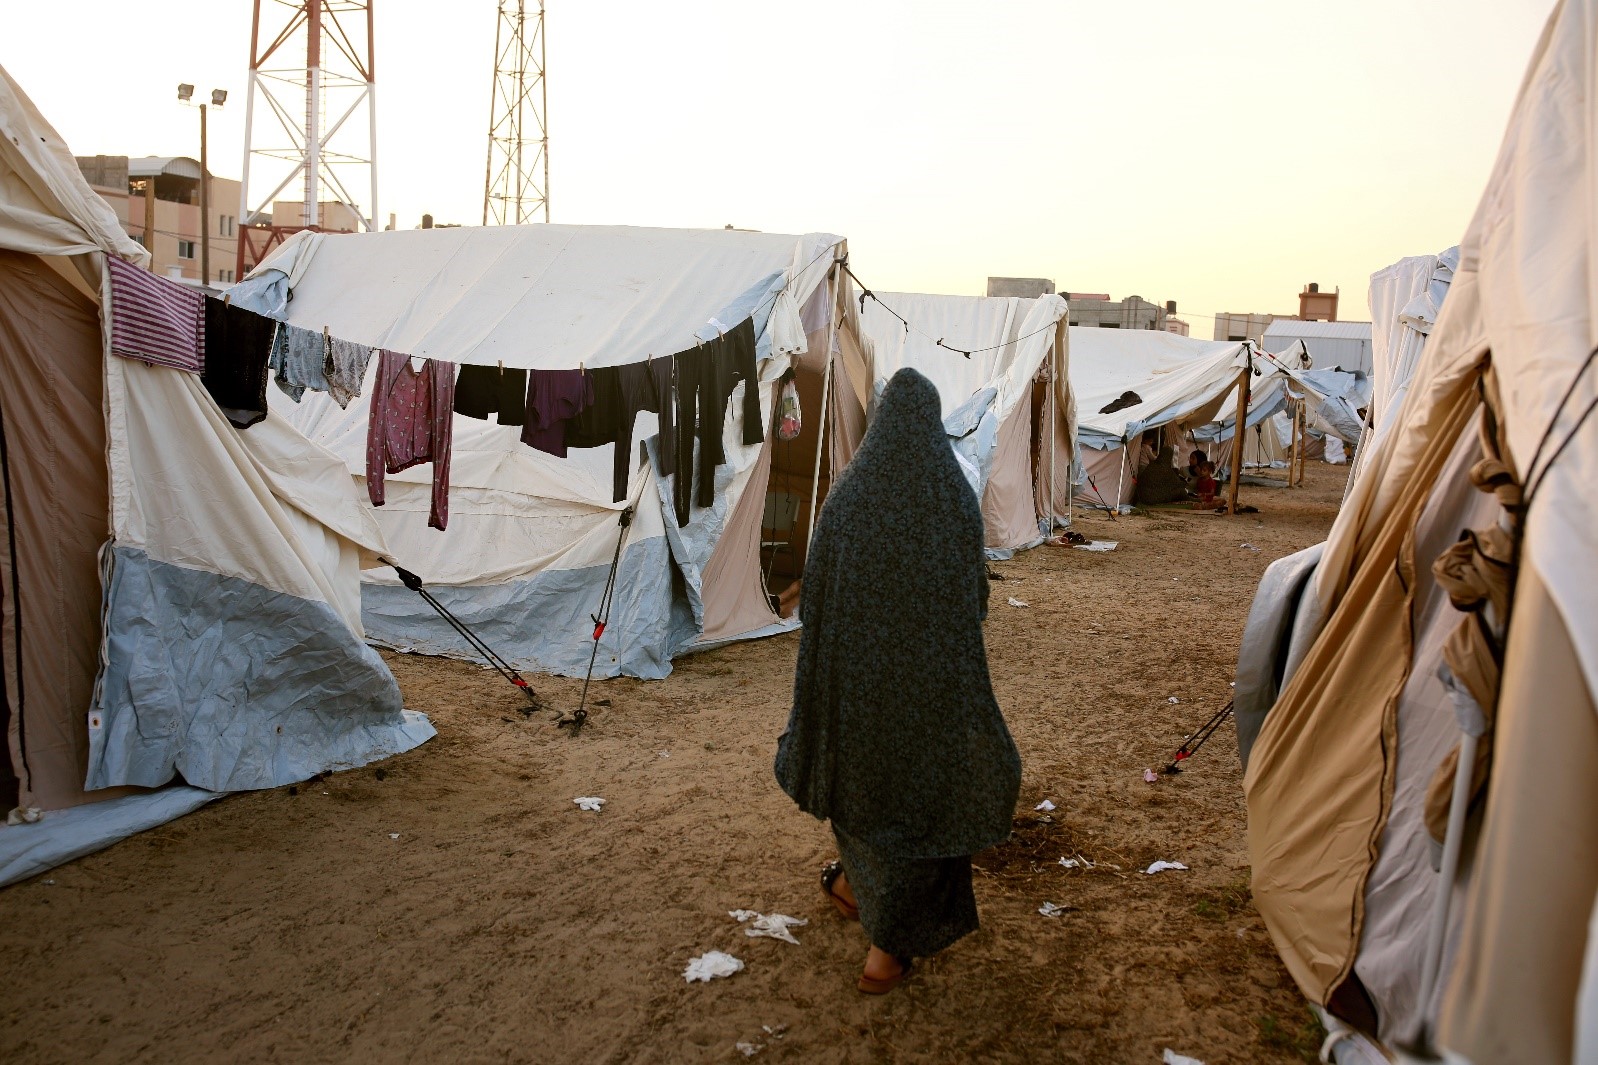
(829, 876)
(873, 986)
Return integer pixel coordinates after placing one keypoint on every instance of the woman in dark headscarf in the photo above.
(895, 734)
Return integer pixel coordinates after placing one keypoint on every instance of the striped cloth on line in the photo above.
(156, 320)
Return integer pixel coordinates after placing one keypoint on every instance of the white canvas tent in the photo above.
(1405, 299)
(531, 538)
(1015, 435)
(180, 598)
(1178, 381)
(1422, 808)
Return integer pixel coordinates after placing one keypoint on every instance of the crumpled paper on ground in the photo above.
(1173, 1058)
(712, 965)
(1160, 867)
(1013, 601)
(589, 802)
(24, 815)
(1099, 545)
(1046, 806)
(771, 925)
(1049, 909)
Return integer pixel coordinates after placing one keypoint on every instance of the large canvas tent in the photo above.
(180, 599)
(531, 538)
(1177, 382)
(1008, 406)
(1423, 815)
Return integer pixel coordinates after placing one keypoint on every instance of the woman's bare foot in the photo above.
(880, 965)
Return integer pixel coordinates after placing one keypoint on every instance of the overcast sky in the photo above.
(1220, 154)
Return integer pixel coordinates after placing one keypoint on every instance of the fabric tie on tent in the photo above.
(1478, 573)
(158, 321)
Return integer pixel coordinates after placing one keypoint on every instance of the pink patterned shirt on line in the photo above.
(411, 422)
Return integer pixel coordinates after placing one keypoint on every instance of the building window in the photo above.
(138, 238)
(226, 224)
(185, 249)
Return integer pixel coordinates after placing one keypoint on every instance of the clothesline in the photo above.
(866, 293)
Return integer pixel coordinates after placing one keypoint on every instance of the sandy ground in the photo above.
(504, 924)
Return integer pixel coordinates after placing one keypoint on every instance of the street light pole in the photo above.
(218, 98)
(205, 206)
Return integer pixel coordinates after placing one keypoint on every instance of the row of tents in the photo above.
(1417, 697)
(190, 609)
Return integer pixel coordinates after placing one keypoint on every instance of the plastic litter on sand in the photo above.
(1013, 601)
(1046, 806)
(712, 965)
(589, 802)
(1099, 545)
(770, 925)
(1150, 777)
(1172, 699)
(1049, 909)
(1173, 1058)
(1160, 867)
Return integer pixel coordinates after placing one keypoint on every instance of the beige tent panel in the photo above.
(1312, 848)
(51, 396)
(1518, 967)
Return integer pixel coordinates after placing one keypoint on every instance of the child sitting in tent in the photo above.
(1205, 486)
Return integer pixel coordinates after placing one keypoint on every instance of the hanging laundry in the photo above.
(662, 370)
(238, 343)
(155, 320)
(411, 422)
(554, 397)
(345, 369)
(620, 393)
(706, 377)
(484, 390)
(299, 360)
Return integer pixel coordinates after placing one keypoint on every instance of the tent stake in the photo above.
(601, 621)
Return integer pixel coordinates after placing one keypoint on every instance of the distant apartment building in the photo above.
(157, 200)
(1230, 325)
(1096, 309)
(1027, 288)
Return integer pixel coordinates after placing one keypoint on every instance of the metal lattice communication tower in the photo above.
(516, 186)
(312, 104)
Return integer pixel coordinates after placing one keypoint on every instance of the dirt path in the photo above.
(503, 924)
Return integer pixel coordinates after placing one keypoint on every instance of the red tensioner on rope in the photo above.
(599, 630)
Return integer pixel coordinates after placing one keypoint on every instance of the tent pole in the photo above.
(1453, 843)
(1237, 432)
(1054, 369)
(821, 430)
(1292, 458)
(1120, 481)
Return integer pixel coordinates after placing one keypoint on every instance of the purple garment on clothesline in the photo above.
(156, 320)
(554, 397)
(411, 422)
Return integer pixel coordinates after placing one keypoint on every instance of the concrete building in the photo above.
(1317, 306)
(1134, 312)
(1027, 288)
(1176, 325)
(1229, 325)
(157, 200)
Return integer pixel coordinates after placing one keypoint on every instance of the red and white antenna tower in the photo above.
(516, 186)
(312, 105)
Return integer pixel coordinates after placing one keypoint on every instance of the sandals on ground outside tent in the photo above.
(873, 986)
(829, 876)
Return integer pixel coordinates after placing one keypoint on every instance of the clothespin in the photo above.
(582, 367)
(227, 299)
(502, 367)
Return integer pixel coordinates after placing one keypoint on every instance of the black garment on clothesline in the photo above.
(706, 377)
(484, 390)
(237, 344)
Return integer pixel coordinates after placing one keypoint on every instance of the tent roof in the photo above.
(539, 296)
(154, 165)
(1175, 377)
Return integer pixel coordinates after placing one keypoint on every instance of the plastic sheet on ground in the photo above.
(61, 836)
(712, 965)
